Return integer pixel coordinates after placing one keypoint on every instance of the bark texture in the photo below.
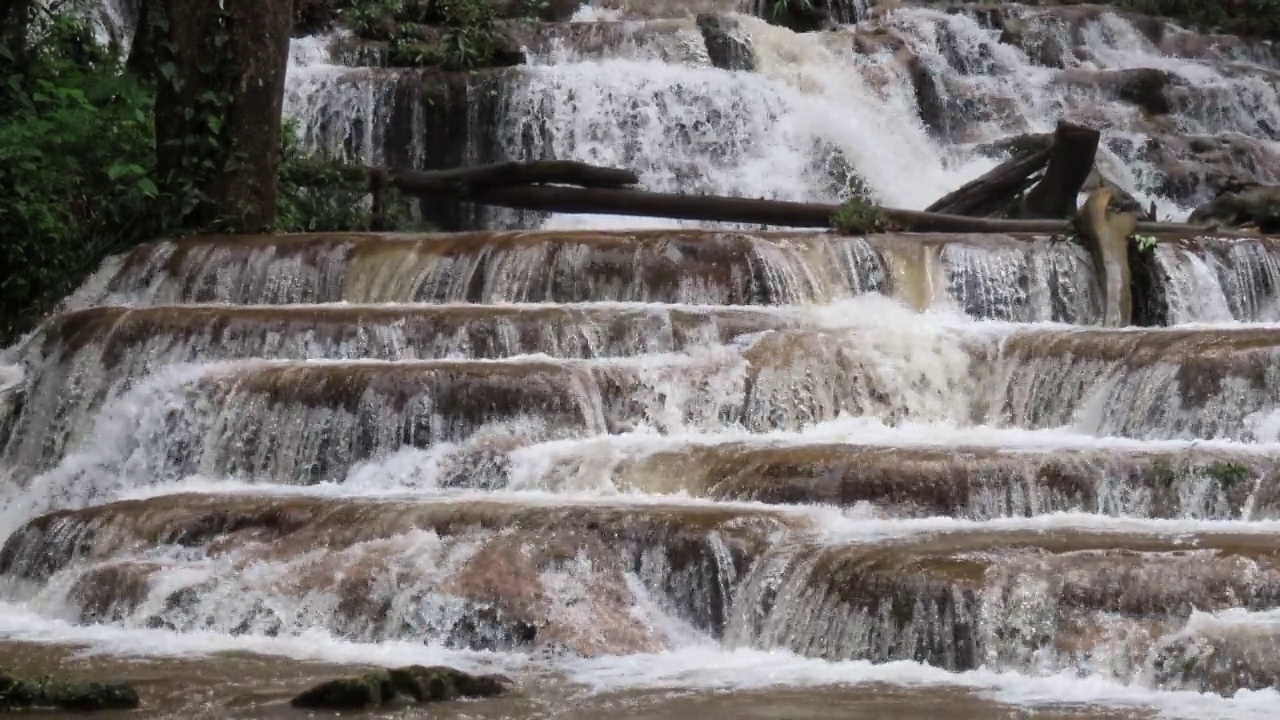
(1070, 162)
(15, 23)
(220, 91)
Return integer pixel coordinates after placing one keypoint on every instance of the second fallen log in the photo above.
(1070, 161)
(996, 191)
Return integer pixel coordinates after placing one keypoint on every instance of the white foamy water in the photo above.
(702, 130)
(341, 111)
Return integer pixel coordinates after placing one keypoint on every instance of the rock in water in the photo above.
(18, 694)
(437, 684)
(415, 682)
(358, 692)
(1241, 204)
(727, 45)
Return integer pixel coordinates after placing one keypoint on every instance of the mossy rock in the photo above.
(415, 682)
(18, 694)
(358, 692)
(441, 684)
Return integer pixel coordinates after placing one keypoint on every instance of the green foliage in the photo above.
(380, 19)
(471, 36)
(859, 214)
(1145, 243)
(76, 163)
(79, 177)
(783, 8)
(450, 34)
(1228, 474)
(1257, 18)
(316, 195)
(315, 201)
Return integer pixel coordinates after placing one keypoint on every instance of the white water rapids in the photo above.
(683, 460)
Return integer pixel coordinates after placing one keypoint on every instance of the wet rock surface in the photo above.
(1243, 205)
(498, 581)
(1220, 656)
(726, 44)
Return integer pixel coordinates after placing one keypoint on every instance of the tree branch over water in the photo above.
(579, 188)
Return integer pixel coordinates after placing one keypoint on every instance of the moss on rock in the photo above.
(439, 684)
(358, 692)
(17, 694)
(416, 683)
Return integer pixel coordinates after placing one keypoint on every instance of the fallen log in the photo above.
(751, 211)
(510, 185)
(1067, 163)
(995, 191)
(464, 181)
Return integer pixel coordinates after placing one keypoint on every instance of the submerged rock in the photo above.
(727, 45)
(1222, 657)
(357, 692)
(413, 683)
(16, 694)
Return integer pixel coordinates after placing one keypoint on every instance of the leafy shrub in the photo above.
(451, 34)
(76, 164)
(859, 214)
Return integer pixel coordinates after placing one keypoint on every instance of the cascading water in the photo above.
(630, 468)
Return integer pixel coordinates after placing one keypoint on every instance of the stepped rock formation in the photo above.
(630, 465)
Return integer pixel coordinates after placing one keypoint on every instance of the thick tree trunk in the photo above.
(1070, 162)
(142, 54)
(15, 24)
(220, 89)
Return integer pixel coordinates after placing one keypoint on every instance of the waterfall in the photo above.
(680, 469)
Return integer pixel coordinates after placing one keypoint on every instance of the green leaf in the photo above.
(168, 70)
(148, 187)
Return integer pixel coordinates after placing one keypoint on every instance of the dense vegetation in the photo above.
(449, 34)
(1255, 18)
(78, 170)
